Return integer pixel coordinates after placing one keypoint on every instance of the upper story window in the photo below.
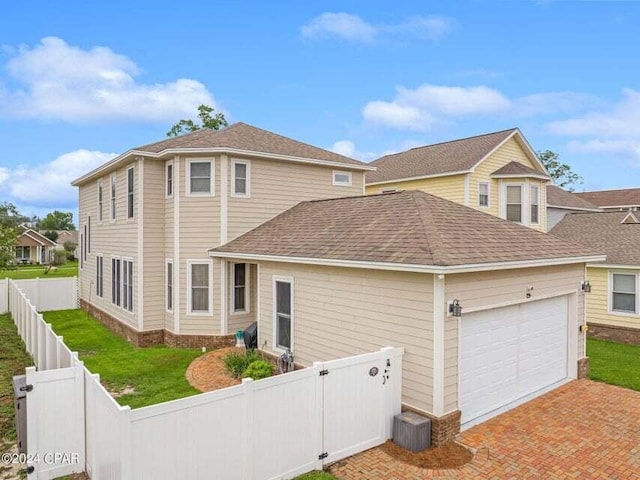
(483, 194)
(534, 200)
(342, 178)
(100, 200)
(169, 180)
(113, 196)
(514, 203)
(200, 177)
(624, 293)
(130, 184)
(241, 178)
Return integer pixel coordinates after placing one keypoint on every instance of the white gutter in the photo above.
(406, 267)
(231, 151)
(612, 265)
(576, 208)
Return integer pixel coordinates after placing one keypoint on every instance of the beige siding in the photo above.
(498, 288)
(278, 186)
(450, 187)
(340, 312)
(119, 238)
(598, 300)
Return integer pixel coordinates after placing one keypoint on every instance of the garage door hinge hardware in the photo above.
(322, 456)
(26, 388)
(324, 372)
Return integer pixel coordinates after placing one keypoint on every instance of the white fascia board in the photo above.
(404, 267)
(420, 177)
(575, 208)
(613, 265)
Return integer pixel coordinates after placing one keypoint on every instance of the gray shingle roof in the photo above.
(613, 198)
(410, 227)
(441, 158)
(558, 197)
(604, 232)
(516, 168)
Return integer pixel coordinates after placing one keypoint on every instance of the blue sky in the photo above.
(82, 81)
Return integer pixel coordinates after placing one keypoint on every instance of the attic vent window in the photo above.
(341, 178)
(630, 218)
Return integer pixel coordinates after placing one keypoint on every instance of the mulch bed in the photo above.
(207, 372)
(450, 455)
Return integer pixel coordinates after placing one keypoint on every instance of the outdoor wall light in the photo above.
(455, 309)
(585, 286)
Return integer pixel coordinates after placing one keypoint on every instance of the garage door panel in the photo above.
(509, 353)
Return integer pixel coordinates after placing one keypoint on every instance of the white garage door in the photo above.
(508, 354)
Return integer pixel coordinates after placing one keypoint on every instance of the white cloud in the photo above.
(49, 185)
(64, 82)
(428, 105)
(348, 149)
(353, 28)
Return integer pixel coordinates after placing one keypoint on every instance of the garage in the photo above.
(511, 354)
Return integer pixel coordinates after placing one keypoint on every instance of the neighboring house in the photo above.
(148, 218)
(613, 306)
(345, 276)
(560, 203)
(33, 247)
(611, 200)
(497, 173)
(67, 236)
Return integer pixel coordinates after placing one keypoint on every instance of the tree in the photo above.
(561, 173)
(57, 220)
(8, 238)
(51, 235)
(70, 248)
(11, 217)
(207, 120)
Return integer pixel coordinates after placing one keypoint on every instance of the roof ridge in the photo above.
(318, 200)
(438, 257)
(608, 190)
(445, 142)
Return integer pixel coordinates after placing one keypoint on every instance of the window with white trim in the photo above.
(200, 288)
(116, 279)
(483, 194)
(200, 177)
(89, 234)
(99, 276)
(113, 196)
(240, 287)
(130, 185)
(624, 293)
(100, 200)
(127, 285)
(283, 313)
(514, 203)
(342, 178)
(169, 283)
(81, 251)
(169, 180)
(241, 186)
(534, 201)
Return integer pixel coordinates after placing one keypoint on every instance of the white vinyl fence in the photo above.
(275, 428)
(44, 294)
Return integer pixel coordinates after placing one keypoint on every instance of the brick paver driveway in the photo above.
(581, 430)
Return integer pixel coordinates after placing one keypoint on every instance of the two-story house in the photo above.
(148, 217)
(497, 173)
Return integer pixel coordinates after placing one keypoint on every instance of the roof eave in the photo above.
(404, 267)
(420, 177)
(614, 265)
(520, 175)
(582, 209)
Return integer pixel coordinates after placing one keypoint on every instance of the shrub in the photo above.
(258, 369)
(237, 362)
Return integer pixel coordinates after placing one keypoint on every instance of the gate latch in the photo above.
(26, 388)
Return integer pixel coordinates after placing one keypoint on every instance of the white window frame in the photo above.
(100, 200)
(488, 184)
(131, 194)
(523, 202)
(123, 273)
(531, 187)
(275, 279)
(118, 283)
(342, 172)
(247, 163)
(209, 312)
(169, 180)
(610, 294)
(99, 275)
(247, 275)
(187, 181)
(167, 262)
(113, 198)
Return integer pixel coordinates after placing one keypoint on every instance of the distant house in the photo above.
(67, 236)
(610, 200)
(560, 203)
(33, 247)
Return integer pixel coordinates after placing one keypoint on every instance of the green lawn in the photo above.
(316, 476)
(13, 361)
(23, 272)
(156, 374)
(614, 363)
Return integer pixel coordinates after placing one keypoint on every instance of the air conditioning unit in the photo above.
(412, 431)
